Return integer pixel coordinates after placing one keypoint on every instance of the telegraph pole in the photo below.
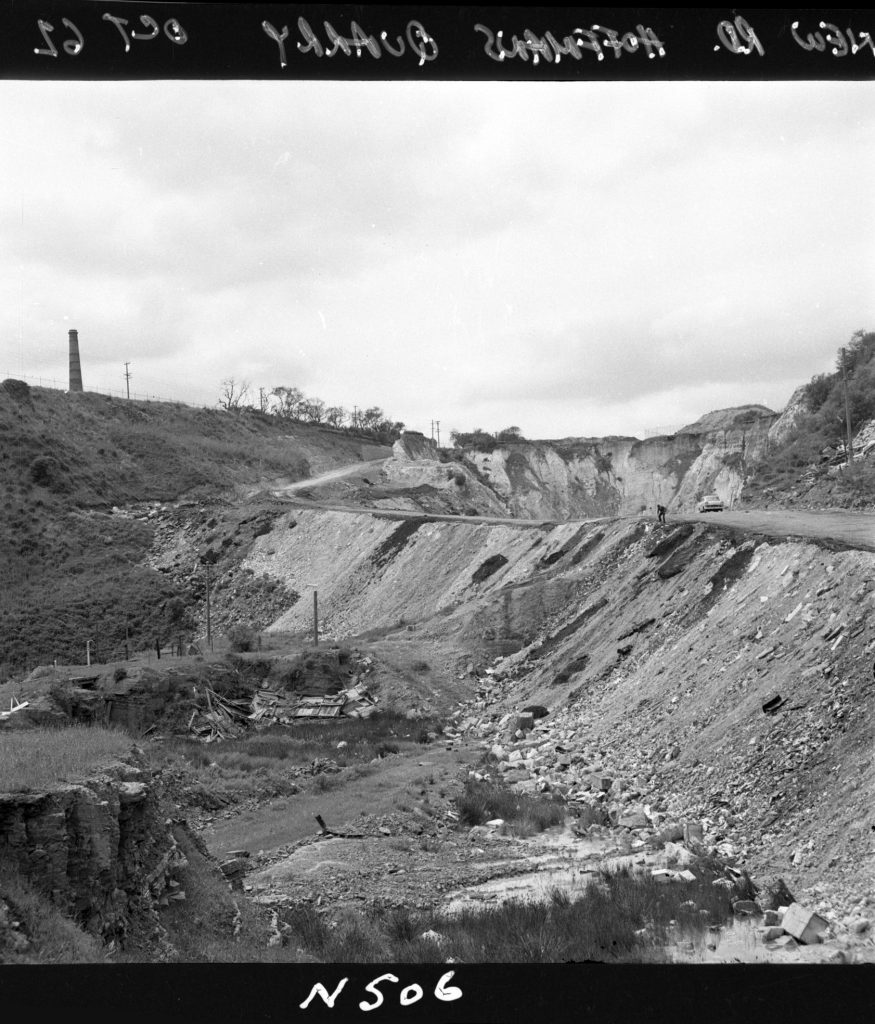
(315, 618)
(847, 409)
(438, 425)
(209, 631)
(128, 380)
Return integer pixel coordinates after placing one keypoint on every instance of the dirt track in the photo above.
(853, 529)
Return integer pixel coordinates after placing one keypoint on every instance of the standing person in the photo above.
(660, 513)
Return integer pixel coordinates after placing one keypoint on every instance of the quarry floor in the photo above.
(396, 854)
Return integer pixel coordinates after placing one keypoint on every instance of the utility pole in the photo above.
(209, 631)
(355, 417)
(261, 404)
(315, 618)
(88, 644)
(432, 430)
(128, 380)
(847, 409)
(438, 425)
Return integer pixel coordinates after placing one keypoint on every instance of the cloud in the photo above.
(508, 252)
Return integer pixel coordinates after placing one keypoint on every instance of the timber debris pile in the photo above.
(219, 718)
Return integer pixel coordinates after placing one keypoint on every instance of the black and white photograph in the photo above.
(437, 514)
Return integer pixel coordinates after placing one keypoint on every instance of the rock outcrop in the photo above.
(789, 419)
(101, 851)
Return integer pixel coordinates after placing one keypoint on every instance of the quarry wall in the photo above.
(99, 850)
(624, 476)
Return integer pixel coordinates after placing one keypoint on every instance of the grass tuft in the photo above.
(481, 801)
(39, 758)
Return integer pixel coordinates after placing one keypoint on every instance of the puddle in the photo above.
(564, 861)
(534, 886)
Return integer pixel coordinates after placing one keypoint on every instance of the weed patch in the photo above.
(481, 801)
(620, 918)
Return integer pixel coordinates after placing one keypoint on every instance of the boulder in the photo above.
(634, 817)
(804, 925)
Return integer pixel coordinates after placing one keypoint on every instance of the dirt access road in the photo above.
(355, 469)
(854, 529)
(380, 792)
(851, 529)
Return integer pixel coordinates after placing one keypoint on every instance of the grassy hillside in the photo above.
(72, 572)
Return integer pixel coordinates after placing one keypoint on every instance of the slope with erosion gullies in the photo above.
(583, 477)
(375, 570)
(720, 677)
(72, 570)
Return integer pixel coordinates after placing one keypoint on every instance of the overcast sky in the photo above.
(571, 258)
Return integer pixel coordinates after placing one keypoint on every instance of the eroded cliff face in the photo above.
(584, 477)
(100, 850)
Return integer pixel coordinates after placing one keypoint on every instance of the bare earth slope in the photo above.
(655, 650)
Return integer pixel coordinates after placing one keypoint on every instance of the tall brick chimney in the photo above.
(75, 367)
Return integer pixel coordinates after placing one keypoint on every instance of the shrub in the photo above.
(45, 470)
(17, 389)
(241, 637)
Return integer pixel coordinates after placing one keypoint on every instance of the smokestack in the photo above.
(75, 367)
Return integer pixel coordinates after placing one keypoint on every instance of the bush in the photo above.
(45, 471)
(17, 389)
(241, 637)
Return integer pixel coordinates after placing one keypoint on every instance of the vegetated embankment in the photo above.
(71, 570)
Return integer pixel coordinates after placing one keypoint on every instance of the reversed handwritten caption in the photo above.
(416, 39)
(739, 37)
(595, 40)
(842, 43)
(444, 991)
(75, 45)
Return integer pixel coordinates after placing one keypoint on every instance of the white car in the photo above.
(711, 503)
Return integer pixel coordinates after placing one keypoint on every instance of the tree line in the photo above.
(291, 404)
(478, 438)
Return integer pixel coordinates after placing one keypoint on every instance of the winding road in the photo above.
(853, 529)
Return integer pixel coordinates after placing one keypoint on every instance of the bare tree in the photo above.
(335, 415)
(234, 393)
